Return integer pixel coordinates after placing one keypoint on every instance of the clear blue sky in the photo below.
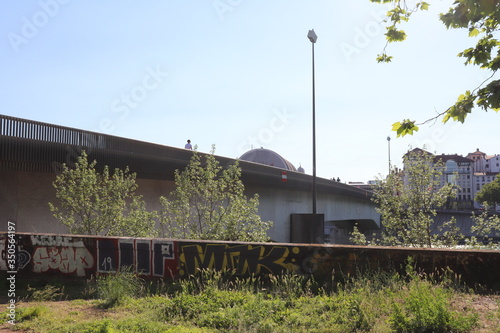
(237, 74)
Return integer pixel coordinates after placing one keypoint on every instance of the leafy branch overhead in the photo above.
(482, 21)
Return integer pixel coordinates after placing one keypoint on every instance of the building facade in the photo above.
(469, 174)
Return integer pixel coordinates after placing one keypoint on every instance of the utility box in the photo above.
(307, 228)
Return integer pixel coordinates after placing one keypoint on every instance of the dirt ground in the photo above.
(488, 308)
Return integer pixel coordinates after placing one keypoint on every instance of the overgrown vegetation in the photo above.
(408, 201)
(486, 227)
(209, 203)
(222, 302)
(101, 203)
(114, 288)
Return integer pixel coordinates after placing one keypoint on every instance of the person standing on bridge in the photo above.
(188, 145)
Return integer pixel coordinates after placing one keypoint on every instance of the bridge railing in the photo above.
(27, 145)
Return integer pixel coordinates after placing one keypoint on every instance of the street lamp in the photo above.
(313, 38)
(389, 150)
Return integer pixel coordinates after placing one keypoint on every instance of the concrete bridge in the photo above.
(31, 154)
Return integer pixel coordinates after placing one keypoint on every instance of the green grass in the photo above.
(221, 302)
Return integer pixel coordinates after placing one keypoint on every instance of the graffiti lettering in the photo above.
(147, 257)
(55, 240)
(164, 259)
(67, 260)
(243, 259)
(81, 256)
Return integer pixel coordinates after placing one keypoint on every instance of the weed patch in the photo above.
(222, 302)
(113, 288)
(47, 293)
(426, 308)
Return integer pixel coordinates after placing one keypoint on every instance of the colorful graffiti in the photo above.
(38, 255)
(65, 259)
(155, 258)
(83, 256)
(65, 254)
(242, 259)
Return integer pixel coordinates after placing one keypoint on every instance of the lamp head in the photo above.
(312, 36)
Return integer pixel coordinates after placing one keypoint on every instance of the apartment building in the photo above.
(486, 168)
(458, 170)
(469, 173)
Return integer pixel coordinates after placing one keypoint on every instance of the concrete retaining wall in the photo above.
(43, 256)
(24, 198)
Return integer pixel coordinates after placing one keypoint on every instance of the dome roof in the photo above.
(267, 157)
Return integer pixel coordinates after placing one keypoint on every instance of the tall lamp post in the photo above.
(313, 38)
(389, 152)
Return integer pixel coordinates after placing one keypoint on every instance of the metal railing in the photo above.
(27, 145)
(32, 130)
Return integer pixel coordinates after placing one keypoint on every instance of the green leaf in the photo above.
(474, 32)
(384, 58)
(396, 126)
(424, 6)
(405, 127)
(395, 35)
(460, 110)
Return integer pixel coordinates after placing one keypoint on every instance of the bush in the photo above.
(426, 308)
(113, 288)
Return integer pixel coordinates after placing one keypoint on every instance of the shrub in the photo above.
(426, 308)
(113, 288)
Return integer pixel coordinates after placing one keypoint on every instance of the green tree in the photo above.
(481, 20)
(93, 203)
(407, 202)
(490, 193)
(486, 227)
(209, 203)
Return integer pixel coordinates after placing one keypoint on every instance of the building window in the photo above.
(451, 166)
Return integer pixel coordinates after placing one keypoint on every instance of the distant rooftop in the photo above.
(454, 157)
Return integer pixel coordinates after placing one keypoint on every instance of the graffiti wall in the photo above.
(45, 255)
